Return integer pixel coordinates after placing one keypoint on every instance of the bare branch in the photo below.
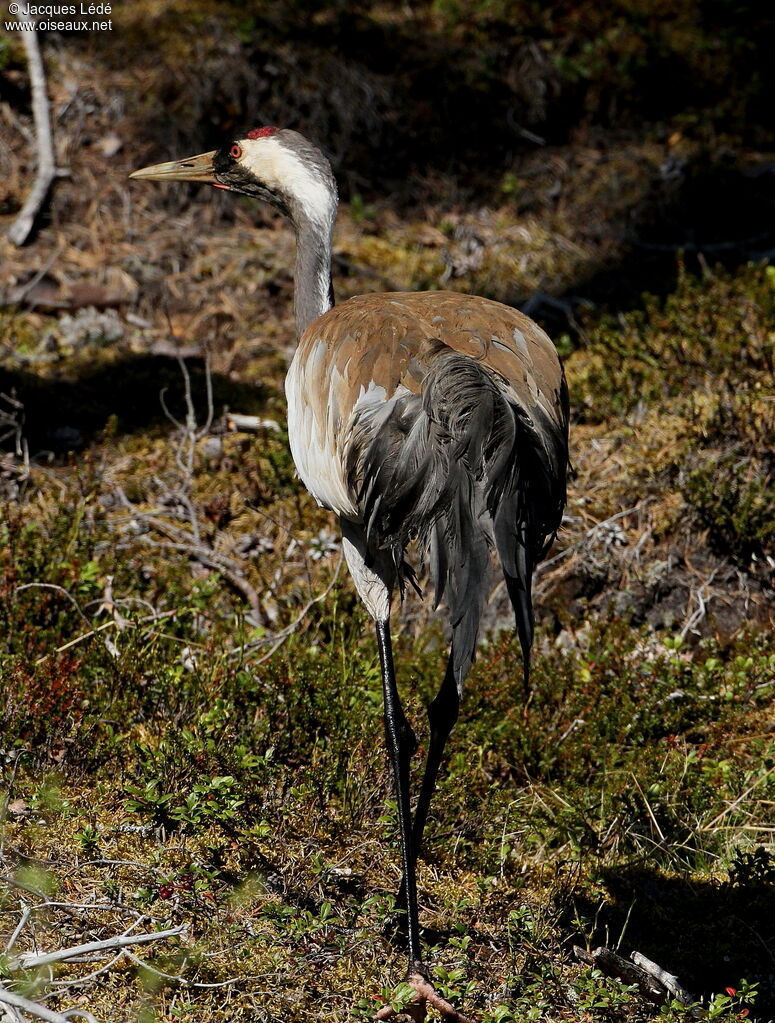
(81, 981)
(31, 959)
(613, 965)
(18, 295)
(179, 541)
(36, 1009)
(205, 429)
(19, 928)
(157, 616)
(667, 980)
(652, 981)
(241, 423)
(46, 171)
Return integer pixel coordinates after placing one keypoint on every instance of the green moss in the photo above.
(733, 500)
(712, 334)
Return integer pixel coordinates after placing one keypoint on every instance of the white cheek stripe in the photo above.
(282, 171)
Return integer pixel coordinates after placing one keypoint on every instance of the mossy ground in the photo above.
(189, 688)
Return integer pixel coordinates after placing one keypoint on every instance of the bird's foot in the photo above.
(425, 995)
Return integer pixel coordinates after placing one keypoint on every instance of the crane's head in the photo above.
(277, 165)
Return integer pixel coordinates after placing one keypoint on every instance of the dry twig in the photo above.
(36, 1009)
(46, 172)
(668, 980)
(652, 981)
(240, 423)
(31, 959)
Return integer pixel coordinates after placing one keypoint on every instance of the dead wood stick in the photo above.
(653, 982)
(612, 965)
(241, 423)
(46, 170)
(31, 959)
(667, 980)
(181, 980)
(36, 1009)
(9, 1014)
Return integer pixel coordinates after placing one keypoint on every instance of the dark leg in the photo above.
(401, 744)
(442, 715)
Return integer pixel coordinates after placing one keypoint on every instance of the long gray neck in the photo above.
(312, 294)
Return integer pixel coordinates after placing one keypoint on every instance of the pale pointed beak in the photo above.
(195, 168)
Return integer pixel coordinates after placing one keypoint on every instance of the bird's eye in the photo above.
(236, 151)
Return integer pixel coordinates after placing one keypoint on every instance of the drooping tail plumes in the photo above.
(462, 467)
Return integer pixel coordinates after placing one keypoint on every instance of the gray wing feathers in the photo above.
(529, 513)
(461, 467)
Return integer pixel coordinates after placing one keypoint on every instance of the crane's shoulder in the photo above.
(359, 358)
(388, 340)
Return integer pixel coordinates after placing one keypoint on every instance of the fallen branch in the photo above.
(180, 540)
(17, 295)
(240, 423)
(46, 170)
(668, 980)
(612, 965)
(32, 959)
(652, 981)
(56, 589)
(36, 1009)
